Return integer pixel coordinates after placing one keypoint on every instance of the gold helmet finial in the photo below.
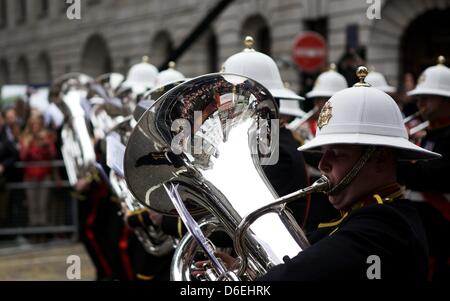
(172, 65)
(441, 60)
(145, 59)
(361, 73)
(333, 67)
(248, 42)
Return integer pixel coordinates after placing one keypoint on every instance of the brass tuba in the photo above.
(70, 93)
(209, 138)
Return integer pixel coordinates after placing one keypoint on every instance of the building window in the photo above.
(4, 72)
(3, 14)
(319, 25)
(213, 53)
(125, 65)
(352, 36)
(161, 48)
(43, 9)
(256, 27)
(23, 71)
(45, 68)
(96, 59)
(21, 11)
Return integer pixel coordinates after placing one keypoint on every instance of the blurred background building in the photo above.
(38, 42)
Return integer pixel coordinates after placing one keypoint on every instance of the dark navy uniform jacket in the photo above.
(431, 175)
(393, 232)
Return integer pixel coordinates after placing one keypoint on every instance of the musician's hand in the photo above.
(228, 261)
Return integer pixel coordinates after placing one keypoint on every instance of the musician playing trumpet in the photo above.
(428, 181)
(326, 84)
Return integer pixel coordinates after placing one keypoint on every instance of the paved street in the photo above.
(42, 263)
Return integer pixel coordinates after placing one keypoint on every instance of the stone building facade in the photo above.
(38, 42)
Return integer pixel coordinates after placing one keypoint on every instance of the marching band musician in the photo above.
(92, 194)
(326, 84)
(89, 189)
(146, 266)
(102, 227)
(377, 80)
(140, 78)
(428, 180)
(379, 235)
(169, 75)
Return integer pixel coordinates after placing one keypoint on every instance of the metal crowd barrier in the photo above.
(62, 208)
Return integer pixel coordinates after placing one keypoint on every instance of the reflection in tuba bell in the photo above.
(209, 138)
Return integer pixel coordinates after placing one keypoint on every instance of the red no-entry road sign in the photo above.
(309, 51)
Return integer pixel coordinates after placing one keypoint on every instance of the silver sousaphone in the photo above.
(205, 141)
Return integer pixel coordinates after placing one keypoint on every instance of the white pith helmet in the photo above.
(290, 107)
(141, 76)
(434, 80)
(113, 79)
(377, 80)
(169, 75)
(367, 116)
(261, 68)
(328, 83)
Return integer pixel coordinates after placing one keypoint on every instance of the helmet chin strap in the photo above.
(353, 172)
